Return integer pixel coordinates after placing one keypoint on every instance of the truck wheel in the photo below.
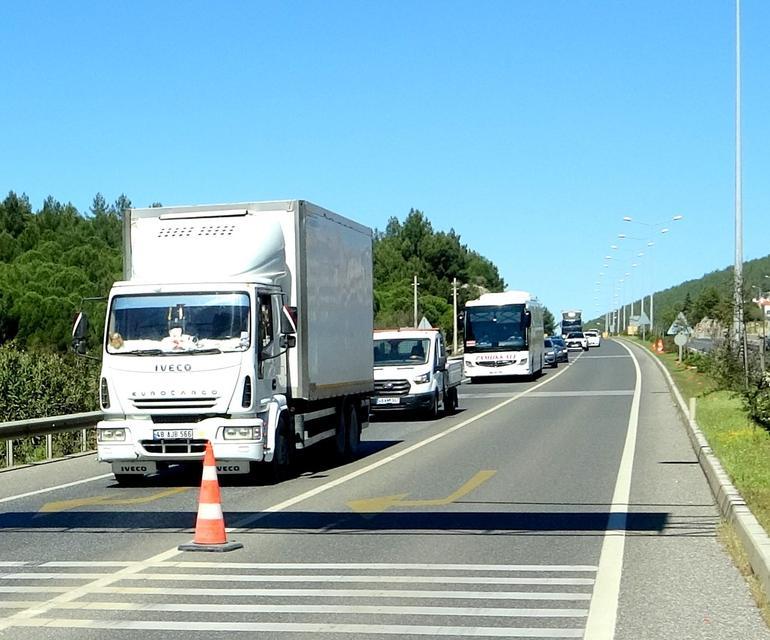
(341, 436)
(279, 468)
(352, 433)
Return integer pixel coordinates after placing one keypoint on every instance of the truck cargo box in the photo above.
(322, 260)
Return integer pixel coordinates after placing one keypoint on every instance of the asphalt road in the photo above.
(567, 507)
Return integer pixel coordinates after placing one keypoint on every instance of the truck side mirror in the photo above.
(80, 334)
(287, 341)
(441, 363)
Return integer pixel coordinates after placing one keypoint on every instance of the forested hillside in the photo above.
(54, 258)
(710, 296)
(50, 260)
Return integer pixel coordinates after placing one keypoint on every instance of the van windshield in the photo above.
(401, 351)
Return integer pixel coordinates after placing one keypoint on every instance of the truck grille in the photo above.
(174, 446)
(391, 387)
(174, 403)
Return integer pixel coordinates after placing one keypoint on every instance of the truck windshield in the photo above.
(498, 328)
(186, 323)
(401, 351)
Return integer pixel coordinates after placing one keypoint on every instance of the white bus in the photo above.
(503, 335)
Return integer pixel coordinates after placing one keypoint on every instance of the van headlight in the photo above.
(425, 377)
(242, 433)
(110, 435)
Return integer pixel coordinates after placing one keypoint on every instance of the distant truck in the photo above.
(246, 325)
(571, 322)
(412, 372)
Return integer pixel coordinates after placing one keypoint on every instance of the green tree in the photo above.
(549, 323)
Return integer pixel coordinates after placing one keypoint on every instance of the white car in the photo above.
(576, 340)
(594, 338)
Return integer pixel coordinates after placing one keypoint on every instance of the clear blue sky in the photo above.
(531, 128)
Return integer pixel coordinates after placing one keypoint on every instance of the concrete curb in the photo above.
(733, 507)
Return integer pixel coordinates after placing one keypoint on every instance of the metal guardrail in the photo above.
(47, 427)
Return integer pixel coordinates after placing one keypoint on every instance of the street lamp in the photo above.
(650, 243)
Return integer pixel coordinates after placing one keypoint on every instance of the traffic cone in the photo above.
(659, 346)
(210, 534)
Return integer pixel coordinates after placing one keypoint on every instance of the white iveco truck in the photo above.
(247, 325)
(503, 336)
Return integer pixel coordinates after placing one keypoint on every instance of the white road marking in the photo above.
(502, 612)
(221, 626)
(206, 577)
(314, 593)
(57, 487)
(602, 616)
(558, 394)
(27, 615)
(338, 566)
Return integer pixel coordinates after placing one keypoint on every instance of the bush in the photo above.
(39, 385)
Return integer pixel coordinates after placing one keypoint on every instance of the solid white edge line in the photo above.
(603, 612)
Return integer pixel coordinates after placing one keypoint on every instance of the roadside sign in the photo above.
(680, 325)
(642, 320)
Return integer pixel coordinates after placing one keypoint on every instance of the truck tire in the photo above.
(340, 441)
(352, 433)
(280, 467)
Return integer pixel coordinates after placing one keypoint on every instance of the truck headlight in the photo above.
(110, 435)
(242, 433)
(425, 377)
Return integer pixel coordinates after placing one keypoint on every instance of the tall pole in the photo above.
(738, 268)
(415, 300)
(454, 333)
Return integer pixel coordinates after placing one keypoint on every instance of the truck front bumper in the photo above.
(409, 402)
(143, 441)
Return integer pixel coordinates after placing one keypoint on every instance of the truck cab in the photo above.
(412, 372)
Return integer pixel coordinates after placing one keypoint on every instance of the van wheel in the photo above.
(450, 401)
(432, 413)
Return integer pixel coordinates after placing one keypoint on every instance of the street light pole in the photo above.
(738, 332)
(454, 306)
(415, 300)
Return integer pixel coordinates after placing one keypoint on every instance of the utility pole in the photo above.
(415, 300)
(454, 306)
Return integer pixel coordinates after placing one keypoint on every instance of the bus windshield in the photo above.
(498, 328)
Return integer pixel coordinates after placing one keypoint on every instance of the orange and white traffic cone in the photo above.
(210, 534)
(659, 346)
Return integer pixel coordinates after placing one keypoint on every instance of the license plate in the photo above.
(387, 401)
(172, 434)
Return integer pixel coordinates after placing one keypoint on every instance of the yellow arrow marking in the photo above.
(64, 505)
(378, 505)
